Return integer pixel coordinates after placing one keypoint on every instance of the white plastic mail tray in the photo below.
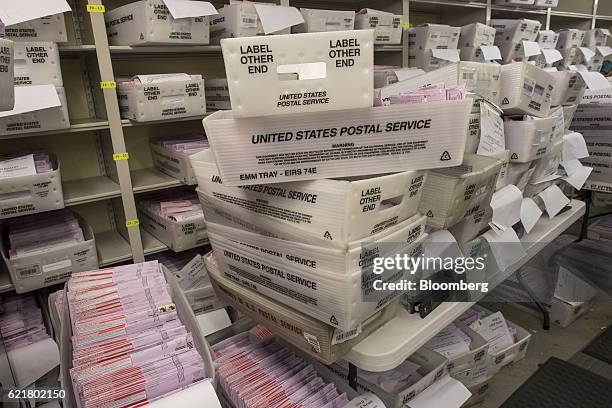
(309, 72)
(50, 28)
(528, 137)
(320, 210)
(354, 142)
(526, 89)
(7, 64)
(569, 87)
(46, 268)
(37, 63)
(316, 20)
(570, 38)
(178, 236)
(31, 194)
(341, 300)
(173, 163)
(515, 31)
(356, 256)
(387, 26)
(149, 22)
(482, 79)
(432, 367)
(477, 355)
(476, 34)
(145, 98)
(547, 39)
(453, 193)
(38, 120)
(597, 37)
(432, 36)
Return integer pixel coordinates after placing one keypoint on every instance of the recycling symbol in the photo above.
(514, 156)
(429, 214)
(445, 156)
(505, 101)
(333, 320)
(141, 36)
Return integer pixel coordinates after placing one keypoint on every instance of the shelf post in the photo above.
(594, 18)
(584, 228)
(352, 376)
(405, 25)
(109, 91)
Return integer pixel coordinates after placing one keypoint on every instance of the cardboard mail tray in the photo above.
(294, 73)
(316, 20)
(7, 65)
(173, 163)
(343, 301)
(37, 63)
(315, 338)
(238, 20)
(356, 142)
(324, 210)
(35, 271)
(37, 121)
(149, 22)
(31, 194)
(453, 193)
(526, 89)
(387, 26)
(50, 28)
(527, 137)
(143, 101)
(432, 368)
(178, 236)
(217, 94)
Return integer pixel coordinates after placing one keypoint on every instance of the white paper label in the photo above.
(492, 139)
(33, 98)
(14, 12)
(66, 263)
(18, 167)
(342, 336)
(275, 18)
(188, 8)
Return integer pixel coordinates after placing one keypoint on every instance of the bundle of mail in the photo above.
(129, 345)
(21, 324)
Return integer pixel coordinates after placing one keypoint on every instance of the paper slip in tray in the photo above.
(165, 96)
(7, 65)
(331, 210)
(528, 137)
(357, 256)
(150, 23)
(46, 268)
(548, 164)
(30, 117)
(177, 235)
(454, 193)
(341, 300)
(346, 143)
(49, 28)
(32, 194)
(298, 73)
(312, 336)
(185, 315)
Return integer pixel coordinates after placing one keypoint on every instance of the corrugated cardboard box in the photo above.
(322, 341)
(432, 36)
(35, 271)
(149, 22)
(50, 28)
(309, 72)
(354, 142)
(7, 64)
(526, 89)
(528, 137)
(31, 194)
(37, 63)
(476, 34)
(316, 20)
(145, 98)
(37, 120)
(387, 26)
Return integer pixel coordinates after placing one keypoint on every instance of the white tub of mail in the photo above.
(177, 235)
(514, 31)
(149, 22)
(568, 88)
(475, 35)
(432, 36)
(596, 37)
(29, 121)
(165, 96)
(240, 19)
(475, 356)
(387, 26)
(452, 193)
(325, 209)
(174, 163)
(429, 60)
(569, 38)
(37, 63)
(528, 137)
(43, 267)
(340, 300)
(7, 77)
(217, 94)
(547, 39)
(354, 142)
(432, 367)
(31, 194)
(526, 89)
(50, 28)
(317, 20)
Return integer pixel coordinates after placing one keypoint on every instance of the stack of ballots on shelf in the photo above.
(304, 172)
(39, 94)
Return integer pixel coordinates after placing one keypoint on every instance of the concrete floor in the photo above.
(558, 342)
